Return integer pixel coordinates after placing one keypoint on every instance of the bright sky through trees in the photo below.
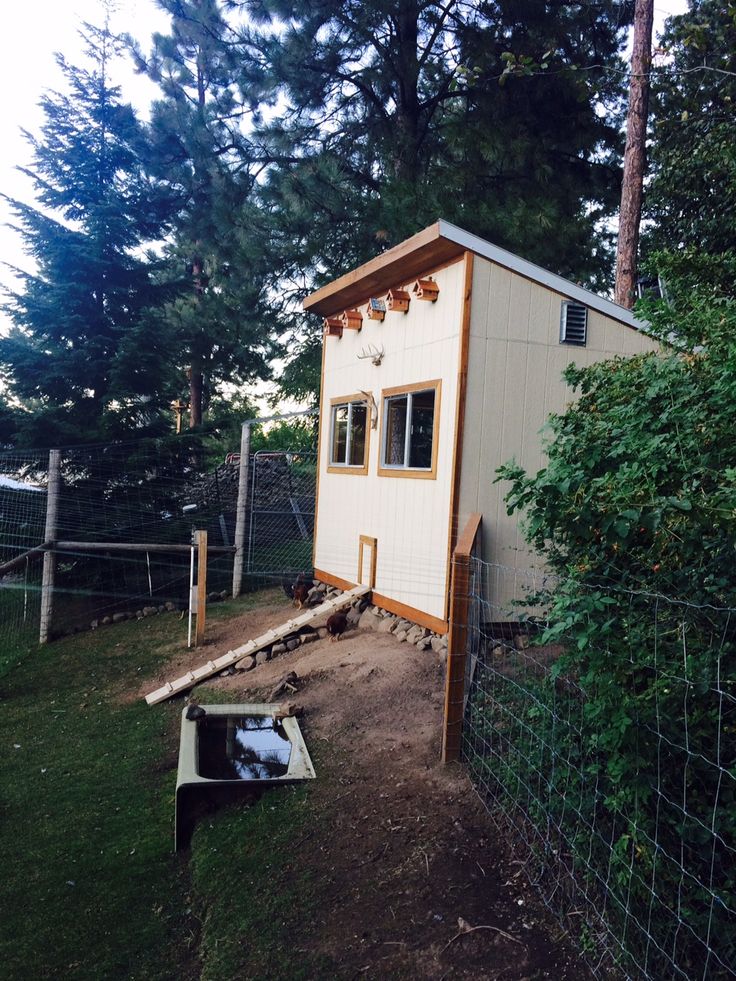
(33, 32)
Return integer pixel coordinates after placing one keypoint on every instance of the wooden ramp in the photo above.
(253, 646)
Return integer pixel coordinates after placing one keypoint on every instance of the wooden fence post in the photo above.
(49, 558)
(457, 643)
(201, 587)
(241, 508)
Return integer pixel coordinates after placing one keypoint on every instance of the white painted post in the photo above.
(191, 593)
(201, 587)
(241, 510)
(49, 558)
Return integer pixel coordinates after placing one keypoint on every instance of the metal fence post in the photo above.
(241, 508)
(49, 558)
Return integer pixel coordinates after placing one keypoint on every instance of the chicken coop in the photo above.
(442, 359)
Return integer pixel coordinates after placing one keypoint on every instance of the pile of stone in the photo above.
(147, 611)
(289, 643)
(383, 622)
(361, 615)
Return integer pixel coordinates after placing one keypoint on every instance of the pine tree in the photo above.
(74, 359)
(306, 137)
(691, 201)
(220, 321)
(393, 116)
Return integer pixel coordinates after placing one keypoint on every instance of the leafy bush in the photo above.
(636, 513)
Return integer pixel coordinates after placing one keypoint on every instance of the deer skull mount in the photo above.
(374, 354)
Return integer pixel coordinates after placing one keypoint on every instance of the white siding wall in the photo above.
(514, 383)
(409, 517)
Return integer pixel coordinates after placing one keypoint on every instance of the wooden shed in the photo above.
(451, 371)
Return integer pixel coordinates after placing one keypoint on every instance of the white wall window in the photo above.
(409, 430)
(349, 436)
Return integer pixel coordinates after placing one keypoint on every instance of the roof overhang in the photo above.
(435, 246)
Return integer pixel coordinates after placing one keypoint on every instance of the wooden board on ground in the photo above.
(253, 646)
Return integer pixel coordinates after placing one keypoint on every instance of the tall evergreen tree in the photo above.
(306, 137)
(73, 358)
(691, 201)
(203, 156)
(393, 115)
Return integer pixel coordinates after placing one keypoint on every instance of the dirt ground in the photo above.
(408, 855)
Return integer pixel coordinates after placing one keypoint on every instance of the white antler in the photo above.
(373, 353)
(373, 408)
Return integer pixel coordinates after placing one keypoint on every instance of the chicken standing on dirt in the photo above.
(298, 591)
(301, 592)
(336, 625)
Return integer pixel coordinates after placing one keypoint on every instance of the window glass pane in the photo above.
(395, 430)
(339, 433)
(357, 435)
(422, 429)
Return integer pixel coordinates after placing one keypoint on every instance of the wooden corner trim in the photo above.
(460, 406)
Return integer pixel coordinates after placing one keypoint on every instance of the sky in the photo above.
(33, 31)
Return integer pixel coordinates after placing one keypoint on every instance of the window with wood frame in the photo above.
(409, 430)
(349, 435)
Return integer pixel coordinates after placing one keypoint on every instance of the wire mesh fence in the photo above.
(281, 512)
(123, 525)
(22, 520)
(614, 765)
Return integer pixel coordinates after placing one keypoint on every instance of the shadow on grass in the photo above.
(91, 887)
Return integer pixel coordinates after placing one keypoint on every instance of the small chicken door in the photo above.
(367, 561)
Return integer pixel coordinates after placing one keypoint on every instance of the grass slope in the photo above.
(90, 887)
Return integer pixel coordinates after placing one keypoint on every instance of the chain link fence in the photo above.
(281, 513)
(613, 769)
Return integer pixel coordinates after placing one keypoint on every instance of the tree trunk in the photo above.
(632, 188)
(195, 394)
(196, 381)
(406, 145)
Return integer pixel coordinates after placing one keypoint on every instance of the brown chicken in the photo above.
(301, 592)
(336, 625)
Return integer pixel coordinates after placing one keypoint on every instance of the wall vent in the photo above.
(573, 323)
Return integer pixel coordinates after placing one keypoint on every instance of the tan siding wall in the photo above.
(514, 383)
(408, 517)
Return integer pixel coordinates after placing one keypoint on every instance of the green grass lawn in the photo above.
(90, 887)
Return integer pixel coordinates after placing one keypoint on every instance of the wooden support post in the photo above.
(24, 557)
(201, 587)
(457, 643)
(241, 509)
(49, 558)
